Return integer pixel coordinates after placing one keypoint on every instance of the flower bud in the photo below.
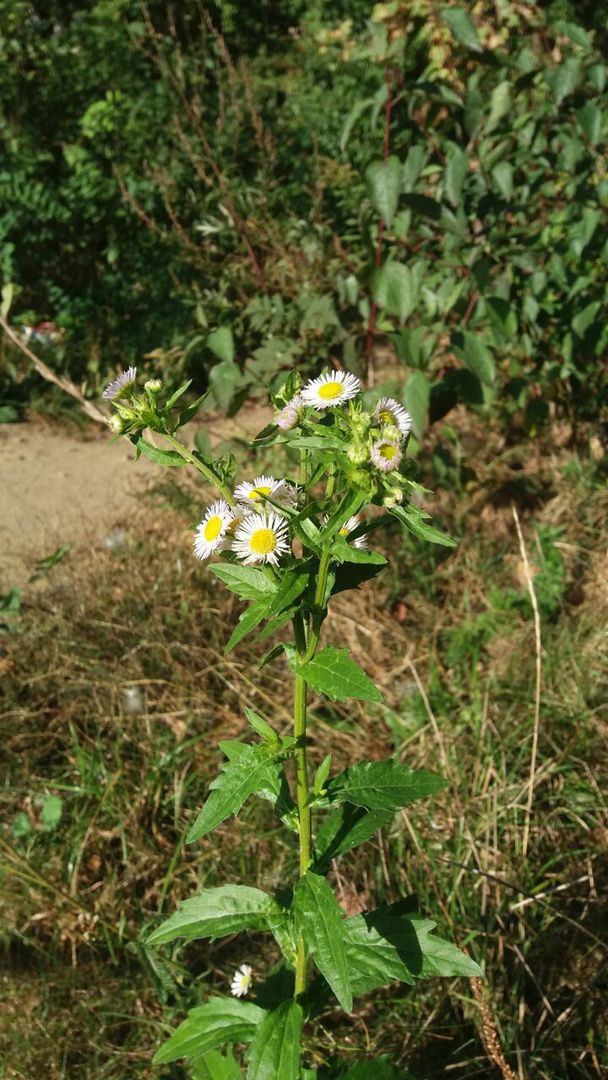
(394, 499)
(116, 424)
(357, 453)
(153, 387)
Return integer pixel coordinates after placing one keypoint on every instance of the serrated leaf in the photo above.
(218, 1022)
(275, 1050)
(272, 782)
(248, 621)
(319, 919)
(394, 289)
(343, 551)
(333, 672)
(344, 829)
(160, 457)
(415, 522)
(248, 582)
(216, 913)
(383, 785)
(221, 343)
(236, 782)
(384, 948)
(384, 185)
(476, 355)
(416, 396)
(462, 27)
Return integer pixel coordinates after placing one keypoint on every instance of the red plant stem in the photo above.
(373, 314)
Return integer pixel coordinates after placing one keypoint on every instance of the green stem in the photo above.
(208, 473)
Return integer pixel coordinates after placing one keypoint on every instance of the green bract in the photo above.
(284, 549)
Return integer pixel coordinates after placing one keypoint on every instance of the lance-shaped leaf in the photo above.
(343, 551)
(319, 919)
(275, 1050)
(383, 785)
(415, 521)
(216, 1066)
(216, 1023)
(335, 673)
(344, 829)
(159, 457)
(272, 782)
(384, 184)
(238, 779)
(218, 912)
(248, 621)
(383, 948)
(248, 582)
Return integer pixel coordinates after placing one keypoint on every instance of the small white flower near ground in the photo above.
(330, 390)
(241, 981)
(261, 538)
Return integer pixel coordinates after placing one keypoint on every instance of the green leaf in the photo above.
(221, 343)
(50, 814)
(319, 919)
(248, 620)
(384, 185)
(462, 27)
(223, 380)
(248, 582)
(455, 173)
(189, 413)
(343, 551)
(590, 119)
(177, 394)
(262, 727)
(502, 174)
(415, 522)
(291, 586)
(564, 79)
(236, 782)
(344, 829)
(216, 913)
(160, 457)
(500, 105)
(394, 289)
(416, 396)
(383, 785)
(6, 296)
(272, 782)
(412, 167)
(214, 1066)
(216, 1023)
(334, 673)
(382, 947)
(275, 1050)
(476, 355)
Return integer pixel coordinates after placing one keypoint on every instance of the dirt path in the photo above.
(58, 486)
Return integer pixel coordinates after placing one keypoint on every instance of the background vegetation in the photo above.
(415, 190)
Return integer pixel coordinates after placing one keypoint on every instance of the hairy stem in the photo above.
(205, 471)
(304, 814)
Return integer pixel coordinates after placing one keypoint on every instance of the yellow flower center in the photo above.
(213, 528)
(387, 451)
(387, 417)
(330, 390)
(257, 493)
(344, 531)
(262, 541)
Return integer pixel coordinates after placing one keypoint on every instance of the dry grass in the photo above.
(116, 692)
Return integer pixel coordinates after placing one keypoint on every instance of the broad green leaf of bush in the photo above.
(462, 27)
(416, 396)
(319, 918)
(334, 673)
(237, 780)
(384, 186)
(218, 1022)
(476, 355)
(383, 785)
(215, 913)
(455, 173)
(275, 1049)
(221, 343)
(394, 289)
(223, 380)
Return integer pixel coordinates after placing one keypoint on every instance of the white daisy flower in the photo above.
(386, 455)
(389, 411)
(253, 495)
(121, 385)
(348, 527)
(261, 538)
(241, 981)
(331, 389)
(290, 414)
(211, 533)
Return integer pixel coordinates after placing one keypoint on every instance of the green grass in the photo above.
(116, 692)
